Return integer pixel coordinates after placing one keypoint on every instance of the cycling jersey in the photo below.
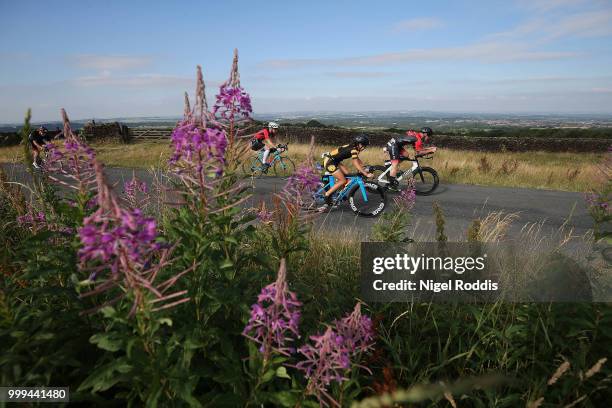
(35, 136)
(335, 157)
(396, 145)
(263, 134)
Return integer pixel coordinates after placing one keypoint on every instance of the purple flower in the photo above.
(72, 167)
(33, 221)
(105, 237)
(232, 102)
(263, 214)
(356, 331)
(333, 353)
(406, 199)
(325, 360)
(275, 317)
(305, 179)
(197, 151)
(133, 189)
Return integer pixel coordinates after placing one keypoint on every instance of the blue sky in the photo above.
(117, 59)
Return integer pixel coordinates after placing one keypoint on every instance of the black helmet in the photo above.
(362, 140)
(427, 131)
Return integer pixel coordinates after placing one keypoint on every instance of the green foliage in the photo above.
(392, 226)
(473, 233)
(440, 222)
(25, 133)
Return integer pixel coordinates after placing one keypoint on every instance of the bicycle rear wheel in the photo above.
(368, 201)
(284, 167)
(425, 180)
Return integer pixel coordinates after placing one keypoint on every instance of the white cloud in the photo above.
(485, 52)
(547, 5)
(590, 24)
(362, 74)
(142, 80)
(417, 24)
(111, 62)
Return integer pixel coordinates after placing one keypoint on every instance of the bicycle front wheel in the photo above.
(425, 180)
(284, 167)
(367, 199)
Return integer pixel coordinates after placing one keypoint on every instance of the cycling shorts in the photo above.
(395, 151)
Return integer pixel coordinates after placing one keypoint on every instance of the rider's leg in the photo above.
(264, 159)
(35, 155)
(339, 183)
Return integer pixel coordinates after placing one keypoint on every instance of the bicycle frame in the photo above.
(276, 157)
(342, 194)
(383, 177)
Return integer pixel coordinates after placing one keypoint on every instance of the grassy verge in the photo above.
(544, 170)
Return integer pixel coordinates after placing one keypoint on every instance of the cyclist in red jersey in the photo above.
(264, 136)
(398, 147)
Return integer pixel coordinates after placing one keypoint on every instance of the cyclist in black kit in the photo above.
(333, 164)
(398, 148)
(38, 138)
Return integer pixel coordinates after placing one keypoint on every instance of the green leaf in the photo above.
(106, 341)
(231, 239)
(285, 398)
(281, 372)
(226, 264)
(165, 320)
(104, 377)
(108, 311)
(268, 376)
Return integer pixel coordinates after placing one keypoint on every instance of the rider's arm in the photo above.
(359, 166)
(269, 143)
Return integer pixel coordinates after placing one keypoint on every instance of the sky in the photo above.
(105, 59)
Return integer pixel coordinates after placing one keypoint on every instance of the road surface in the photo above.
(461, 205)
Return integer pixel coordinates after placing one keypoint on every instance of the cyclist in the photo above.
(264, 137)
(398, 148)
(333, 164)
(38, 138)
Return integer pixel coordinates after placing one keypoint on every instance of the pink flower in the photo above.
(275, 317)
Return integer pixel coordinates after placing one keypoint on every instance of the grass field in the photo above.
(544, 170)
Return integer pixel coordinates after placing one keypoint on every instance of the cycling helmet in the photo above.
(362, 140)
(272, 125)
(427, 131)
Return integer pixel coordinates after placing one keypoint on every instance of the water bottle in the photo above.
(326, 180)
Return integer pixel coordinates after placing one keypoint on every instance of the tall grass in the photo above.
(546, 170)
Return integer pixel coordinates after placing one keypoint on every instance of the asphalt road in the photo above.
(461, 204)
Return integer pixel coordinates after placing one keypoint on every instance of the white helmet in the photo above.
(272, 125)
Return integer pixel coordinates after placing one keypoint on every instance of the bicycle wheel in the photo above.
(252, 168)
(368, 201)
(284, 167)
(425, 180)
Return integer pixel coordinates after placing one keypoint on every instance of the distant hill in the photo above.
(460, 123)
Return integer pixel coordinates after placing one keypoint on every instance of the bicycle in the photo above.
(282, 166)
(365, 198)
(426, 179)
